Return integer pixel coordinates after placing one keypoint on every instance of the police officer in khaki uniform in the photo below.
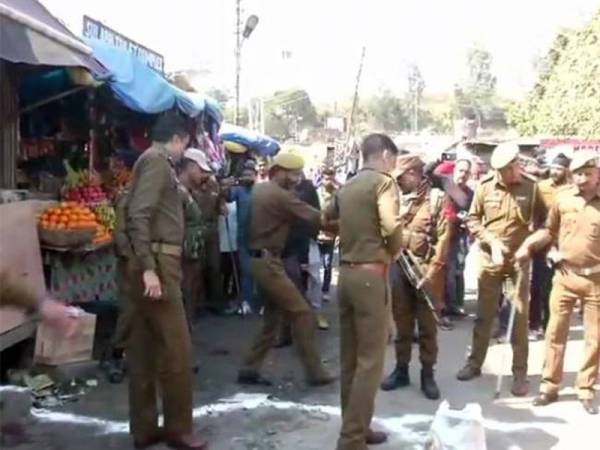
(123, 253)
(541, 272)
(427, 236)
(194, 171)
(208, 196)
(505, 205)
(273, 208)
(159, 348)
(368, 212)
(574, 224)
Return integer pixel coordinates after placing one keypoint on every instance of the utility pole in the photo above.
(416, 84)
(238, 57)
(354, 103)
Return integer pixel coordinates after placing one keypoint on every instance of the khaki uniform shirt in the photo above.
(368, 209)
(425, 235)
(272, 210)
(195, 227)
(210, 202)
(154, 209)
(547, 190)
(505, 212)
(575, 225)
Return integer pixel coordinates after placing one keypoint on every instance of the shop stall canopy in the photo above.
(142, 89)
(29, 34)
(259, 143)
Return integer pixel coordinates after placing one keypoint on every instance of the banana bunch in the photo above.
(106, 215)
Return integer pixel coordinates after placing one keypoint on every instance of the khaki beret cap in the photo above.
(407, 162)
(288, 161)
(234, 147)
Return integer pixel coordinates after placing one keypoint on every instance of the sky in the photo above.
(325, 38)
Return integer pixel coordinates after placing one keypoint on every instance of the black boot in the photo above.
(428, 384)
(397, 379)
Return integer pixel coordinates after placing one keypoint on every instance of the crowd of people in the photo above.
(188, 241)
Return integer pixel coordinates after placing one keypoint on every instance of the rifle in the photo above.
(410, 266)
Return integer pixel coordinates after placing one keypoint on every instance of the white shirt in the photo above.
(228, 241)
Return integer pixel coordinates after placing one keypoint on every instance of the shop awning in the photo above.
(142, 89)
(30, 34)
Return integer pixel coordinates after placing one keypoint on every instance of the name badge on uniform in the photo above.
(521, 198)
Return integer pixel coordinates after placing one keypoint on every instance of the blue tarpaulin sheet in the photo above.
(259, 143)
(139, 87)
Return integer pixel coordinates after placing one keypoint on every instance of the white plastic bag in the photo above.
(457, 429)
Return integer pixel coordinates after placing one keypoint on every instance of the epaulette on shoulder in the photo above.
(487, 178)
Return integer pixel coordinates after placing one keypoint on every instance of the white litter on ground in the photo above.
(411, 428)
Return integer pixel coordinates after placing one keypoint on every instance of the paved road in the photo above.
(292, 416)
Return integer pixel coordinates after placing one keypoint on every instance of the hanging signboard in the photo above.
(95, 29)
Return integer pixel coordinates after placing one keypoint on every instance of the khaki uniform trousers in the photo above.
(408, 307)
(566, 290)
(213, 276)
(123, 327)
(364, 303)
(159, 353)
(489, 285)
(283, 297)
(293, 271)
(193, 288)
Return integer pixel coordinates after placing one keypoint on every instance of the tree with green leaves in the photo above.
(475, 97)
(286, 112)
(565, 100)
(388, 112)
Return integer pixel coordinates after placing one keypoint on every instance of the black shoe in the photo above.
(283, 342)
(457, 312)
(545, 399)
(399, 378)
(376, 437)
(428, 384)
(589, 406)
(321, 381)
(468, 372)
(115, 373)
(253, 379)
